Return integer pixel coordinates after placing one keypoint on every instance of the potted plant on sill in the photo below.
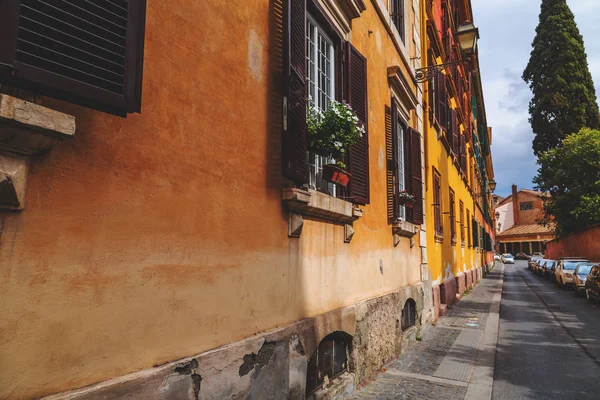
(406, 199)
(331, 134)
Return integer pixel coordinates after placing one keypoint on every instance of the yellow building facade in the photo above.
(458, 165)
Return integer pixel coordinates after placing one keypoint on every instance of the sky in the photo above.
(507, 29)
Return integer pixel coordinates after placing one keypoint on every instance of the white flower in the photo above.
(337, 145)
(355, 118)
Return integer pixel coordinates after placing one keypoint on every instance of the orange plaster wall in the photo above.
(162, 235)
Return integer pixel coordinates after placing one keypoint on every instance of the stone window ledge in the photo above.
(320, 206)
(26, 129)
(405, 229)
(337, 388)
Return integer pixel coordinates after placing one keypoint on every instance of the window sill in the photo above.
(405, 229)
(26, 129)
(439, 238)
(318, 206)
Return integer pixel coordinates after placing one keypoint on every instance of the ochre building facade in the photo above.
(166, 234)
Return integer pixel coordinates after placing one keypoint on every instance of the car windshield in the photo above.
(584, 269)
(571, 265)
(507, 255)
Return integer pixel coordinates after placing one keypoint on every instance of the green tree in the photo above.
(571, 175)
(564, 98)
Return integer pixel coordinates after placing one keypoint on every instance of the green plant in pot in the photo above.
(331, 134)
(405, 198)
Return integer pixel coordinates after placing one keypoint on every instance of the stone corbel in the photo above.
(26, 129)
(405, 229)
(302, 203)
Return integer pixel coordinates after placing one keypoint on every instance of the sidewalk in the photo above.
(454, 359)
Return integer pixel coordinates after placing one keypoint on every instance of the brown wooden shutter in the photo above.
(417, 179)
(463, 154)
(89, 54)
(442, 102)
(455, 129)
(391, 136)
(294, 141)
(356, 67)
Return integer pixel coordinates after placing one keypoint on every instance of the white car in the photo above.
(565, 269)
(496, 257)
(507, 258)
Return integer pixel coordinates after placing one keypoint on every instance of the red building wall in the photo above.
(585, 244)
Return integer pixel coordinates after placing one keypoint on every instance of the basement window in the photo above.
(409, 314)
(329, 360)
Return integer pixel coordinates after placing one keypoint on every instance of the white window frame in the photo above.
(316, 162)
(400, 129)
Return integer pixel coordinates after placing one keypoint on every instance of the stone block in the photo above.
(448, 291)
(461, 284)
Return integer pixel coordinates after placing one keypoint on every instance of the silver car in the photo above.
(580, 276)
(508, 258)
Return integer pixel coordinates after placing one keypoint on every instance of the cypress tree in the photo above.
(564, 98)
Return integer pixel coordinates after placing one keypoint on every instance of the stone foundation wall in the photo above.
(448, 291)
(461, 284)
(451, 290)
(469, 275)
(273, 365)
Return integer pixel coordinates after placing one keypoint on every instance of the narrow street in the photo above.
(549, 341)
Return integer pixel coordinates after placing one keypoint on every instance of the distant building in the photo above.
(517, 227)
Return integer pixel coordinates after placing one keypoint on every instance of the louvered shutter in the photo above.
(416, 184)
(455, 129)
(88, 53)
(391, 163)
(294, 139)
(442, 101)
(463, 154)
(356, 76)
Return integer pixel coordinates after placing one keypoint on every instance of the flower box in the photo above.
(333, 173)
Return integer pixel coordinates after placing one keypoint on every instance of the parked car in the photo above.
(539, 267)
(580, 275)
(549, 268)
(592, 284)
(496, 257)
(566, 267)
(522, 256)
(507, 258)
(532, 261)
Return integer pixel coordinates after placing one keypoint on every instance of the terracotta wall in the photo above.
(583, 244)
(527, 217)
(162, 235)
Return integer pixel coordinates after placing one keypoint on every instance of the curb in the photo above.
(482, 381)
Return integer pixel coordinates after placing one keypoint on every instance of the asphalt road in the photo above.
(549, 341)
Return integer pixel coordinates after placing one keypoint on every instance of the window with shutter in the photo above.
(400, 134)
(452, 217)
(356, 74)
(469, 228)
(462, 223)
(442, 99)
(294, 139)
(88, 53)
(391, 162)
(437, 204)
(455, 131)
(397, 14)
(417, 180)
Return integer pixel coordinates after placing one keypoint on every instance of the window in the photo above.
(329, 360)
(437, 205)
(315, 59)
(400, 176)
(469, 228)
(462, 223)
(320, 86)
(89, 54)
(403, 155)
(526, 205)
(409, 314)
(398, 18)
(452, 217)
